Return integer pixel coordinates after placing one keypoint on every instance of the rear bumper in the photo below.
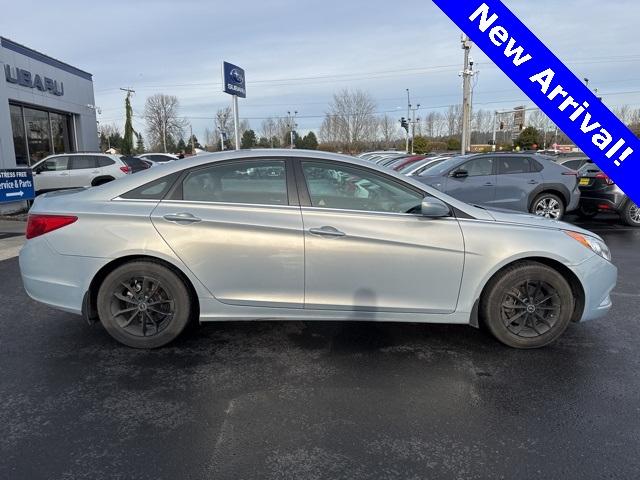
(598, 278)
(59, 281)
(603, 201)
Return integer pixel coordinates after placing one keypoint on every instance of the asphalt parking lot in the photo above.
(321, 400)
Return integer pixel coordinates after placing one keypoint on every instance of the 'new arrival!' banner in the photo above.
(552, 87)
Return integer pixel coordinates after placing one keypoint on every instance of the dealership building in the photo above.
(46, 107)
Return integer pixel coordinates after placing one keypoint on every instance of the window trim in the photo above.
(305, 196)
(175, 193)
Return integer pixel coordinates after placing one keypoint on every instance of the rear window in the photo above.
(136, 164)
(105, 162)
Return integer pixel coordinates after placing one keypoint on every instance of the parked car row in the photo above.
(77, 170)
(526, 182)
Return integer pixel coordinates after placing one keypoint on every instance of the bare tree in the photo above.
(350, 121)
(388, 129)
(623, 112)
(269, 130)
(163, 123)
(454, 120)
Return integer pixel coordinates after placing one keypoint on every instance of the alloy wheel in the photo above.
(530, 309)
(142, 306)
(548, 207)
(634, 213)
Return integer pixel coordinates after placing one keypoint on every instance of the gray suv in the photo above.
(526, 182)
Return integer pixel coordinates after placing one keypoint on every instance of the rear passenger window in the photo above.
(507, 165)
(80, 162)
(253, 182)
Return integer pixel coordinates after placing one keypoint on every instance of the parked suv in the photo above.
(527, 182)
(72, 170)
(600, 194)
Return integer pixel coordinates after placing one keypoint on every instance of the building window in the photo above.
(19, 138)
(38, 133)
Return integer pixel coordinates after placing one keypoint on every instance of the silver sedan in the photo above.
(304, 235)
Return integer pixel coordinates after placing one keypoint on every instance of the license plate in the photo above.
(584, 181)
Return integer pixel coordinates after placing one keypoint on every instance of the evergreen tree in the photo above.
(127, 141)
(264, 142)
(310, 141)
(529, 137)
(248, 139)
(139, 144)
(181, 145)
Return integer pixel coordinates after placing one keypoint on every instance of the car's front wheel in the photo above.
(548, 205)
(528, 305)
(143, 304)
(631, 214)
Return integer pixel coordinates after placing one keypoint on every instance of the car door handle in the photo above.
(532, 182)
(64, 174)
(184, 217)
(488, 184)
(327, 232)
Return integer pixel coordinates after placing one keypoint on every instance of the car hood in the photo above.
(530, 220)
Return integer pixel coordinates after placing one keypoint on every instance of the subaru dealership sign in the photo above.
(233, 80)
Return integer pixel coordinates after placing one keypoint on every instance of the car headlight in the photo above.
(595, 245)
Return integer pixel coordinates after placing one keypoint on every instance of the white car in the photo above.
(73, 170)
(158, 157)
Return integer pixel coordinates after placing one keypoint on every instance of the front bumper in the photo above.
(598, 278)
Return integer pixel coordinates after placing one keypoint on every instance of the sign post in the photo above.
(16, 184)
(233, 83)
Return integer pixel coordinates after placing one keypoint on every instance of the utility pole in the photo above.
(467, 73)
(292, 126)
(414, 121)
(408, 116)
(193, 145)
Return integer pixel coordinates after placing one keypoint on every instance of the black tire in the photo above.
(631, 214)
(548, 205)
(506, 311)
(144, 290)
(587, 212)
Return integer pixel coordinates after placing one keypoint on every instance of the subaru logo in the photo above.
(237, 76)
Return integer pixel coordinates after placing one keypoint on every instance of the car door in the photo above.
(83, 169)
(516, 181)
(473, 182)
(52, 174)
(368, 248)
(237, 226)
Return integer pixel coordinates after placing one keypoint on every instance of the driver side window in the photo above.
(342, 187)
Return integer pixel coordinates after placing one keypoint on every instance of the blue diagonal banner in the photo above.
(552, 87)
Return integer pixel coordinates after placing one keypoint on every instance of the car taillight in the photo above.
(126, 169)
(40, 224)
(603, 176)
(572, 173)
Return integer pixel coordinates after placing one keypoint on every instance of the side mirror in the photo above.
(434, 208)
(460, 173)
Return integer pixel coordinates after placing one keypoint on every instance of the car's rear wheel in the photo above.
(528, 305)
(548, 205)
(143, 304)
(631, 214)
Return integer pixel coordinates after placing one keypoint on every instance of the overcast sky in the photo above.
(298, 53)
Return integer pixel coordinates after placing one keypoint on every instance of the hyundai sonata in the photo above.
(304, 235)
